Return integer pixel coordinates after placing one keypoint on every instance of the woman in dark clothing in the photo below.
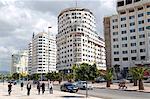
(22, 84)
(38, 87)
(43, 88)
(28, 88)
(9, 88)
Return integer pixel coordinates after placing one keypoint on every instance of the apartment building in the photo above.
(20, 62)
(129, 33)
(42, 53)
(77, 40)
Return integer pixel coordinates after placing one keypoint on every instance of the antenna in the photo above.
(76, 3)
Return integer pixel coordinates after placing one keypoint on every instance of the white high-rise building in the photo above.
(20, 62)
(77, 39)
(129, 34)
(42, 53)
(30, 57)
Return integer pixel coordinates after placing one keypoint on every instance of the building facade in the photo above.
(107, 37)
(42, 53)
(129, 34)
(77, 39)
(20, 62)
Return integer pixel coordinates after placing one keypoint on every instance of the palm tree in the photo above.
(15, 76)
(74, 68)
(133, 72)
(139, 74)
(108, 76)
(35, 76)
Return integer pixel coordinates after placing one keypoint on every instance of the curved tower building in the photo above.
(77, 39)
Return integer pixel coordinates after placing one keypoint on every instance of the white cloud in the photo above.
(20, 18)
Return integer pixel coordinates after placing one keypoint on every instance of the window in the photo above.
(148, 20)
(137, 0)
(125, 58)
(116, 59)
(115, 20)
(123, 25)
(142, 50)
(124, 52)
(116, 52)
(133, 44)
(115, 26)
(116, 46)
(141, 8)
(148, 6)
(132, 37)
(123, 19)
(133, 58)
(115, 33)
(132, 30)
(131, 10)
(120, 3)
(141, 29)
(133, 51)
(128, 2)
(115, 39)
(142, 36)
(140, 15)
(148, 13)
(142, 43)
(141, 22)
(124, 45)
(132, 24)
(142, 57)
(124, 38)
(124, 32)
(131, 17)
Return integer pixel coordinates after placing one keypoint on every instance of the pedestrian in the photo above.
(28, 88)
(22, 84)
(38, 87)
(51, 88)
(43, 87)
(9, 88)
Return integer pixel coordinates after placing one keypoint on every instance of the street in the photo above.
(112, 94)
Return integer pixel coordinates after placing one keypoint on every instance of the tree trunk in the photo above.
(135, 82)
(108, 83)
(141, 86)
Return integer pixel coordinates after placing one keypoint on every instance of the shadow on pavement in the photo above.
(6, 95)
(73, 97)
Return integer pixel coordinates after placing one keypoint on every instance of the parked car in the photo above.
(147, 81)
(100, 80)
(69, 87)
(82, 85)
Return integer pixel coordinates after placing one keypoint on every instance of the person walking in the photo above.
(38, 87)
(22, 84)
(51, 88)
(43, 87)
(9, 89)
(28, 88)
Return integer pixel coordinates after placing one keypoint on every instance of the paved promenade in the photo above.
(18, 94)
(130, 87)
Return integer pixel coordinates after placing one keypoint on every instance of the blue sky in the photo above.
(20, 18)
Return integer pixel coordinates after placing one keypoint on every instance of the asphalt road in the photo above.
(113, 94)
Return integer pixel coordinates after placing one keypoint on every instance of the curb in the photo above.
(121, 90)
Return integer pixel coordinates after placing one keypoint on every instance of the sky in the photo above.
(20, 18)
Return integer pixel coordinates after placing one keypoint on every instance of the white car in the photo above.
(82, 85)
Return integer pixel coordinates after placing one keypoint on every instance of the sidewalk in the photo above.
(18, 94)
(130, 87)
